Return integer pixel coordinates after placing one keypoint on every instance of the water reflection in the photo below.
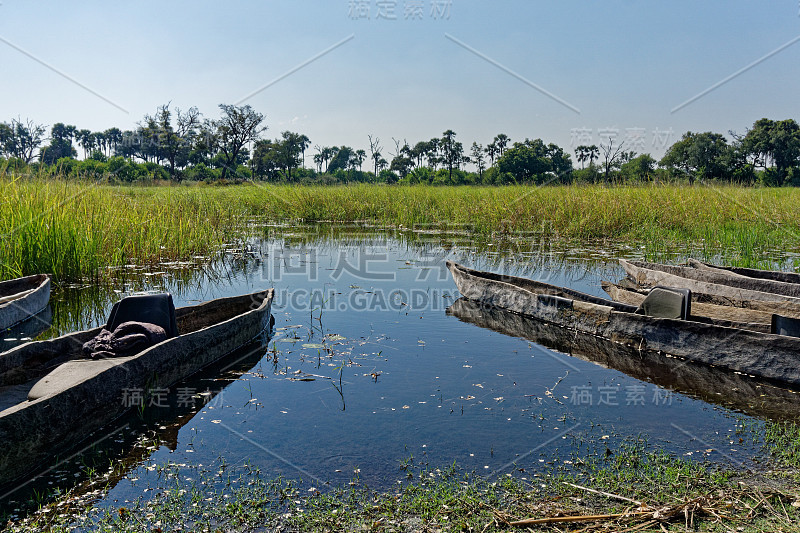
(729, 389)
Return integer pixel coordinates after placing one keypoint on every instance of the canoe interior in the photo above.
(20, 285)
(720, 315)
(538, 287)
(27, 363)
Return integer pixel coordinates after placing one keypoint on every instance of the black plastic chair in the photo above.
(155, 309)
(784, 325)
(667, 302)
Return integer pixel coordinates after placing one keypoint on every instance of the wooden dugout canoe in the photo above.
(22, 298)
(729, 389)
(773, 275)
(765, 355)
(702, 272)
(709, 287)
(80, 396)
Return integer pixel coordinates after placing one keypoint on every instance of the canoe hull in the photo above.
(33, 430)
(712, 292)
(36, 296)
(772, 357)
(773, 275)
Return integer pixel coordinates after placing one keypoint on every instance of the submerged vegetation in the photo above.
(632, 486)
(75, 230)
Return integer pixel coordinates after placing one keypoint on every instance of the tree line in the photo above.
(183, 145)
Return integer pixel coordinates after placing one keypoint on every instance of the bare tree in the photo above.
(375, 151)
(611, 157)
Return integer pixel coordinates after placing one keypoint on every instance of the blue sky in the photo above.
(624, 64)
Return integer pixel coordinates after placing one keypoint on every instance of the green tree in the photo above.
(533, 161)
(402, 165)
(699, 156)
(266, 161)
(114, 138)
(174, 141)
(639, 168)
(6, 139)
(432, 155)
(452, 152)
(237, 126)
(342, 159)
(60, 144)
(304, 144)
(290, 148)
(24, 140)
(774, 144)
(86, 140)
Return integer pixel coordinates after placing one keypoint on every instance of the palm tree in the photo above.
(114, 137)
(501, 141)
(359, 158)
(86, 140)
(582, 154)
(327, 154)
(304, 142)
(594, 153)
(379, 162)
(491, 151)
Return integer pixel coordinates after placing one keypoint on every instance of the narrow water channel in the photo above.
(376, 364)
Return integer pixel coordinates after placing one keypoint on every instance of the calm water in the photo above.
(367, 369)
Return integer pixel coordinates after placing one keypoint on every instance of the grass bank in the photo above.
(630, 488)
(73, 230)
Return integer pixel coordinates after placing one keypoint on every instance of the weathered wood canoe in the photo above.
(709, 287)
(773, 357)
(774, 275)
(720, 314)
(729, 389)
(79, 396)
(22, 298)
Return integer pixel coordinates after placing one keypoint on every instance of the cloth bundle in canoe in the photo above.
(134, 324)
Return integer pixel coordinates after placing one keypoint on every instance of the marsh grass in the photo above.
(75, 229)
(224, 497)
(780, 441)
